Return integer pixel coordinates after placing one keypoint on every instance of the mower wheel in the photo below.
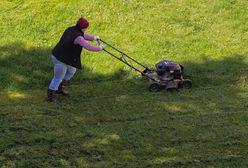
(154, 87)
(186, 84)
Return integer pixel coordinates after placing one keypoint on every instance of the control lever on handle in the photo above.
(99, 42)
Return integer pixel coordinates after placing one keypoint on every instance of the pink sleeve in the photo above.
(82, 42)
(88, 37)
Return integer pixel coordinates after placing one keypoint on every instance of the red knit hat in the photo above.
(82, 23)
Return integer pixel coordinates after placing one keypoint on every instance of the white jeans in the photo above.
(61, 72)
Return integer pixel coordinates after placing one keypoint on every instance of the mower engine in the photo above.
(168, 75)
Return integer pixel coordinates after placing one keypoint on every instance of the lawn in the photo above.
(111, 119)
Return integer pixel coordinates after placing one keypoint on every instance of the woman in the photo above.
(66, 56)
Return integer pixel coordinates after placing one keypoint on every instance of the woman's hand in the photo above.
(102, 46)
(96, 38)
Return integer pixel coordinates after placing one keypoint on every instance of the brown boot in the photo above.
(61, 88)
(51, 96)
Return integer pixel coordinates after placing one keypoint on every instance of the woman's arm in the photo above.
(89, 37)
(82, 42)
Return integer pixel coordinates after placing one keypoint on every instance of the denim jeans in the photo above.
(61, 72)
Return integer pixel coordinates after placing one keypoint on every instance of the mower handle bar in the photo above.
(99, 42)
(124, 61)
(122, 53)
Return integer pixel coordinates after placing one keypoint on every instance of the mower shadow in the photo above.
(114, 113)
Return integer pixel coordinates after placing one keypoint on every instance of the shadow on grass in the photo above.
(25, 68)
(121, 124)
(31, 68)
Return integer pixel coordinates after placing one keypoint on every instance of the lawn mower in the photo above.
(167, 75)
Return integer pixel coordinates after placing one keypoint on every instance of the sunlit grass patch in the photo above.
(16, 95)
(162, 160)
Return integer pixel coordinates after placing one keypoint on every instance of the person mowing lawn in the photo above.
(66, 56)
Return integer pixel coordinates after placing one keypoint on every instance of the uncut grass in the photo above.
(112, 120)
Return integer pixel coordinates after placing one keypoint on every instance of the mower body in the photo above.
(168, 75)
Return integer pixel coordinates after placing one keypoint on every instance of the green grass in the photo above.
(111, 119)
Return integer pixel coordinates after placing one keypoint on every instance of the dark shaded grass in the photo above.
(34, 66)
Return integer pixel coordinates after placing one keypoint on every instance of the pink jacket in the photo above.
(80, 40)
